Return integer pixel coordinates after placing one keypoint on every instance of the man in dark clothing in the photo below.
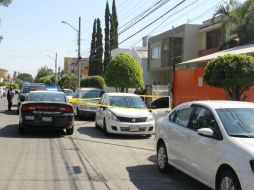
(9, 98)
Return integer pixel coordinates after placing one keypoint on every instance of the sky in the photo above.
(33, 32)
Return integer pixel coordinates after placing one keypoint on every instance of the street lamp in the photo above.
(78, 42)
(55, 66)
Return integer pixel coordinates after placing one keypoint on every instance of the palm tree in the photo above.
(237, 19)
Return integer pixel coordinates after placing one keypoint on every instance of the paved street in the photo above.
(86, 160)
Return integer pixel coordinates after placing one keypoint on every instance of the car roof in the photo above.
(86, 89)
(220, 104)
(120, 94)
(45, 91)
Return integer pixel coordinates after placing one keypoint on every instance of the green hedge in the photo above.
(93, 81)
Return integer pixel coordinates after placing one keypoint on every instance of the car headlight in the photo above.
(252, 165)
(112, 116)
(150, 118)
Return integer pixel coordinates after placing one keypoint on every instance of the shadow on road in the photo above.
(146, 177)
(98, 133)
(6, 112)
(11, 131)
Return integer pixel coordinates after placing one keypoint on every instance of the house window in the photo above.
(156, 53)
(213, 39)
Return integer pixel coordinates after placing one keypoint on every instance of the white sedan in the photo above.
(212, 141)
(123, 113)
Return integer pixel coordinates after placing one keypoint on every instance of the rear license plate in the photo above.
(134, 128)
(29, 117)
(47, 119)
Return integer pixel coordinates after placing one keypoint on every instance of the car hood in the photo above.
(123, 112)
(246, 144)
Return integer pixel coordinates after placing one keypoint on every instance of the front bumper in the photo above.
(142, 128)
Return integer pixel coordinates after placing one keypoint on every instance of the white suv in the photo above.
(212, 141)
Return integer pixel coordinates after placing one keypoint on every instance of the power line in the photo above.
(153, 22)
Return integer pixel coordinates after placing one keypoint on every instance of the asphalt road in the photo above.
(86, 160)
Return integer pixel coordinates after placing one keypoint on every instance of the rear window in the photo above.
(91, 94)
(27, 89)
(42, 97)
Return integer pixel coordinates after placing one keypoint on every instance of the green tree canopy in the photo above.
(26, 77)
(68, 81)
(48, 79)
(238, 19)
(43, 71)
(124, 72)
(233, 73)
(93, 81)
(5, 2)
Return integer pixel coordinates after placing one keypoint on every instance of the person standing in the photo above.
(10, 96)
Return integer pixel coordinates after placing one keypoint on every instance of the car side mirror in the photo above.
(206, 132)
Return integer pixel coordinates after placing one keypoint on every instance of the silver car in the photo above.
(85, 98)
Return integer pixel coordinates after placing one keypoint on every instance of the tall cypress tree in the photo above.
(112, 33)
(107, 37)
(115, 23)
(92, 58)
(99, 49)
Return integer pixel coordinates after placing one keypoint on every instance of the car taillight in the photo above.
(28, 108)
(67, 108)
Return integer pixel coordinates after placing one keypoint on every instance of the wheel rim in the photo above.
(162, 157)
(227, 184)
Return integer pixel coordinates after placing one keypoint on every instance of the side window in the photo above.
(203, 118)
(182, 116)
(171, 116)
(161, 103)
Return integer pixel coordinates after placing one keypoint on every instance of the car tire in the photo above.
(105, 131)
(22, 130)
(228, 180)
(78, 114)
(69, 131)
(96, 125)
(162, 158)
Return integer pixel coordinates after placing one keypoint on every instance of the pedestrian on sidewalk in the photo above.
(10, 96)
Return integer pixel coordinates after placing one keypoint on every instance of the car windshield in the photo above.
(127, 101)
(238, 122)
(42, 97)
(68, 92)
(91, 94)
(27, 89)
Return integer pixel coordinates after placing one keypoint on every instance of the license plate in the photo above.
(92, 108)
(134, 128)
(47, 119)
(29, 117)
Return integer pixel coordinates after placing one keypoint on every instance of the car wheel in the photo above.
(162, 158)
(105, 131)
(78, 114)
(69, 131)
(228, 181)
(22, 130)
(96, 125)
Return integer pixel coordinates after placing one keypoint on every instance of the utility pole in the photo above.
(172, 69)
(56, 70)
(79, 57)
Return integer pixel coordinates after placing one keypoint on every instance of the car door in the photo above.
(178, 142)
(202, 150)
(75, 104)
(100, 112)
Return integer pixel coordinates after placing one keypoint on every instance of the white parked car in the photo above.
(127, 114)
(212, 141)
